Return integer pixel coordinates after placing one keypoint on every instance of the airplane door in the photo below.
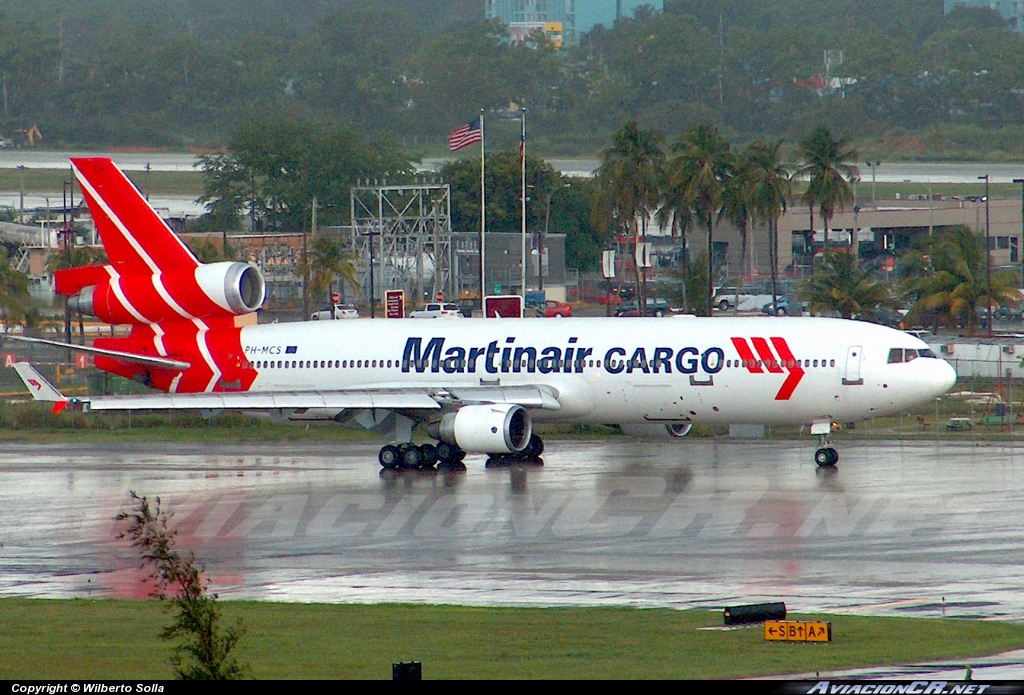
(853, 377)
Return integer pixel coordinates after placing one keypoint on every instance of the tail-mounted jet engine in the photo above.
(212, 289)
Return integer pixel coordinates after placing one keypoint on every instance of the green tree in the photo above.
(503, 191)
(632, 170)
(204, 648)
(956, 286)
(840, 286)
(699, 173)
(739, 207)
(13, 292)
(826, 166)
(690, 288)
(276, 166)
(676, 211)
(329, 263)
(772, 187)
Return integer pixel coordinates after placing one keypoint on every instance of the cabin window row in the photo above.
(323, 364)
(557, 364)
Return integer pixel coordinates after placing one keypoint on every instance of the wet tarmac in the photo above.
(896, 529)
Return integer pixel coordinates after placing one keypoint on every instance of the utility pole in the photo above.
(873, 166)
(1021, 182)
(66, 233)
(21, 210)
(988, 259)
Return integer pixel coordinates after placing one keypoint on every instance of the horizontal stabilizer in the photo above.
(147, 360)
(39, 387)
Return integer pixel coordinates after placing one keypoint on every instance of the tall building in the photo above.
(590, 13)
(575, 16)
(1012, 10)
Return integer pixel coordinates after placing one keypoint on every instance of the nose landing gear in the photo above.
(826, 457)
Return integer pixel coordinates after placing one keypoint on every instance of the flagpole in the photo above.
(483, 223)
(522, 201)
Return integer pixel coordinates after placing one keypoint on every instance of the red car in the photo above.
(556, 309)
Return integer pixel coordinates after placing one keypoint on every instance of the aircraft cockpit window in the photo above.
(895, 355)
(909, 354)
(926, 353)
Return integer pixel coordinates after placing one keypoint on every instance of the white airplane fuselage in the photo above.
(617, 370)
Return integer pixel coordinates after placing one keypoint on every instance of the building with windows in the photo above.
(1012, 10)
(576, 17)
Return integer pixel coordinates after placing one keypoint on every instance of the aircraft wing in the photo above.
(387, 399)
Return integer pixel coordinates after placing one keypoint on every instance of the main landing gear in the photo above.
(529, 456)
(449, 457)
(422, 457)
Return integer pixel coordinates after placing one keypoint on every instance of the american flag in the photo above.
(466, 135)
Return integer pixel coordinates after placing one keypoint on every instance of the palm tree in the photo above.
(632, 171)
(828, 172)
(676, 212)
(738, 206)
(13, 291)
(839, 286)
(699, 173)
(329, 263)
(956, 285)
(772, 188)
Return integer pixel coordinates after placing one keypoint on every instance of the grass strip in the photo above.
(119, 640)
(187, 183)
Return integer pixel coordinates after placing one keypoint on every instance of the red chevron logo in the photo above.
(777, 362)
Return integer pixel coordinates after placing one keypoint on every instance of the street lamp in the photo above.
(856, 233)
(540, 244)
(21, 210)
(370, 234)
(1021, 182)
(988, 258)
(872, 166)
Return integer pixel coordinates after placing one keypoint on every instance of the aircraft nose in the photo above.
(945, 377)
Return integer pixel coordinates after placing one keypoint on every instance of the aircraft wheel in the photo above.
(411, 457)
(535, 448)
(826, 457)
(389, 457)
(429, 454)
(446, 451)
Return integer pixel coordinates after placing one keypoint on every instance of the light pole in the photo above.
(988, 259)
(856, 234)
(540, 244)
(373, 295)
(1021, 182)
(21, 209)
(872, 166)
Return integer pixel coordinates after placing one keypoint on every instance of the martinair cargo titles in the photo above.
(478, 385)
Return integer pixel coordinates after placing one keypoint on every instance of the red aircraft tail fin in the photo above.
(134, 236)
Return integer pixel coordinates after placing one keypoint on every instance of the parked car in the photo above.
(554, 309)
(787, 307)
(437, 311)
(656, 306)
(781, 310)
(338, 311)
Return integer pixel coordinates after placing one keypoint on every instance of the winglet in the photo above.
(39, 387)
